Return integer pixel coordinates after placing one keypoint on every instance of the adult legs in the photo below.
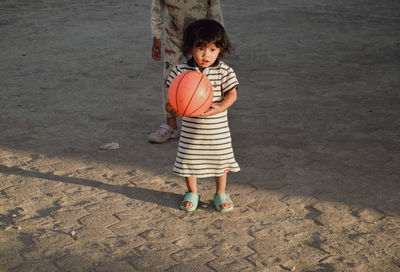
(172, 57)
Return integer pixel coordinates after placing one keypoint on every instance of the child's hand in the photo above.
(215, 108)
(170, 109)
(229, 99)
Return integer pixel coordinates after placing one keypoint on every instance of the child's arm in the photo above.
(229, 99)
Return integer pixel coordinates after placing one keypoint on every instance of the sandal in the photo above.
(192, 198)
(222, 198)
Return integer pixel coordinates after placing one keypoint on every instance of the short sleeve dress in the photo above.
(205, 145)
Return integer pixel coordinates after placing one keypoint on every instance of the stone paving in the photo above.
(316, 131)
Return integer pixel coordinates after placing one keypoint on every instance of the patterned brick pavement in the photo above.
(315, 130)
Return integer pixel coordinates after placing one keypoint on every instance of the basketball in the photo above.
(190, 94)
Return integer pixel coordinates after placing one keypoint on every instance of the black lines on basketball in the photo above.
(210, 93)
(193, 94)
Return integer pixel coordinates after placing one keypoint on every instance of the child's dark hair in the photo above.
(204, 31)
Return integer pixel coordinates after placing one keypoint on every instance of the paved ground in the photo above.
(315, 130)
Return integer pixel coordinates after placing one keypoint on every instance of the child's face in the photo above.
(205, 55)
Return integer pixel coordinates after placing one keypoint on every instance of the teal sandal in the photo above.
(192, 198)
(222, 198)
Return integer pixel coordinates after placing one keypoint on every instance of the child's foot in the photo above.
(190, 202)
(223, 202)
(163, 133)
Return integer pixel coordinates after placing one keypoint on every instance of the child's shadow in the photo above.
(167, 199)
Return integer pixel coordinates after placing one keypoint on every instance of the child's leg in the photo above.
(220, 183)
(191, 183)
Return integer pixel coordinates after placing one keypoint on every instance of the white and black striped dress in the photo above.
(205, 146)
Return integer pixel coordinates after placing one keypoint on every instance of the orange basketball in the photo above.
(190, 94)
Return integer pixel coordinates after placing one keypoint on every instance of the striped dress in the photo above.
(205, 147)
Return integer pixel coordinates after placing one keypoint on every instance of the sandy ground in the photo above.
(315, 130)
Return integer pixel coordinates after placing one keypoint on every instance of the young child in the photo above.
(180, 14)
(205, 148)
